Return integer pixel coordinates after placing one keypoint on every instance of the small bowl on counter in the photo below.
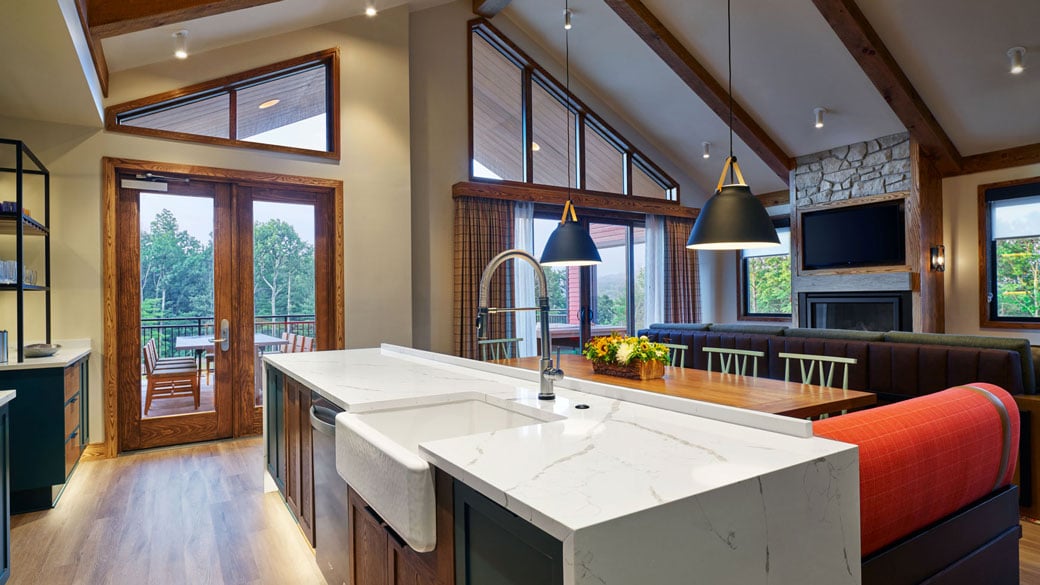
(34, 350)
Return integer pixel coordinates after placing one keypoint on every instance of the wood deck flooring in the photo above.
(195, 514)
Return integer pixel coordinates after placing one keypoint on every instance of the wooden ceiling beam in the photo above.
(774, 198)
(999, 159)
(489, 8)
(108, 18)
(668, 47)
(97, 55)
(580, 198)
(866, 47)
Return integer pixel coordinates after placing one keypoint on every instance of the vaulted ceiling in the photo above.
(948, 66)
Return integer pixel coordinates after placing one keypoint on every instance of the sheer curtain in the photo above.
(523, 279)
(483, 229)
(654, 269)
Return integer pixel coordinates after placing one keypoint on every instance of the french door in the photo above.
(209, 272)
(597, 300)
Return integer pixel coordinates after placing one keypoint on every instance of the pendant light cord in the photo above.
(567, 74)
(729, 57)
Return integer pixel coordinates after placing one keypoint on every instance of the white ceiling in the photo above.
(786, 61)
(231, 28)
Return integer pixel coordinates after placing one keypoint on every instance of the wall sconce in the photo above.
(938, 254)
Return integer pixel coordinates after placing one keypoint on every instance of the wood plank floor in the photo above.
(193, 514)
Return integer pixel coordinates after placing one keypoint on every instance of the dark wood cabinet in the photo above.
(5, 495)
(378, 556)
(299, 456)
(290, 451)
(493, 546)
(48, 431)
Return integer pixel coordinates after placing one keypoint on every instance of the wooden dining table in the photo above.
(761, 394)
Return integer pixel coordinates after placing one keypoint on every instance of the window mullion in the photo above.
(527, 123)
(233, 113)
(579, 149)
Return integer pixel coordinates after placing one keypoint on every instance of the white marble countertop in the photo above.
(614, 461)
(6, 396)
(71, 350)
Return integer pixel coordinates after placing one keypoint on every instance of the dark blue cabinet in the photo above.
(493, 546)
(48, 431)
(274, 410)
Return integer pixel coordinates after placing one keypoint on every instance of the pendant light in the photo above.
(732, 219)
(569, 244)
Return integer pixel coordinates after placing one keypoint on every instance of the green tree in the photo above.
(176, 270)
(283, 269)
(556, 280)
(769, 284)
(1018, 277)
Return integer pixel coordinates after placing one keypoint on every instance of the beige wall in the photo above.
(961, 237)
(440, 147)
(375, 169)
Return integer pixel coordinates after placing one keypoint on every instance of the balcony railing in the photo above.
(166, 331)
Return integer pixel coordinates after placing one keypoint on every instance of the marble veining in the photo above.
(637, 492)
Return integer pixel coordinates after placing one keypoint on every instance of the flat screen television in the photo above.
(856, 236)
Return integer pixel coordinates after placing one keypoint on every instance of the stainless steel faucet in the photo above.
(549, 374)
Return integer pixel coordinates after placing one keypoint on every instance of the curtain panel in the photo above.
(483, 229)
(682, 291)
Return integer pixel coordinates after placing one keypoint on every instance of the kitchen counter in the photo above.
(639, 488)
(70, 352)
(6, 396)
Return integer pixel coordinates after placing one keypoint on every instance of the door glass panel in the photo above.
(610, 298)
(564, 287)
(176, 247)
(283, 281)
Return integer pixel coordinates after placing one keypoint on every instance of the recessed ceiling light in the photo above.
(269, 103)
(180, 44)
(1018, 58)
(370, 11)
(818, 113)
(535, 147)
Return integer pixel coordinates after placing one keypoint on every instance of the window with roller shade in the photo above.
(521, 124)
(1011, 235)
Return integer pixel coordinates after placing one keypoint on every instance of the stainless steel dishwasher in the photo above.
(330, 495)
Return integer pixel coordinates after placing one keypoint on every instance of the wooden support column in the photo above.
(926, 188)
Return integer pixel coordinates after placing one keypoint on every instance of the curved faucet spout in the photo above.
(548, 372)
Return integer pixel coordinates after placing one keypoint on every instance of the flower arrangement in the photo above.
(630, 357)
(622, 350)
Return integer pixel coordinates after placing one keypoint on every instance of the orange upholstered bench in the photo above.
(935, 493)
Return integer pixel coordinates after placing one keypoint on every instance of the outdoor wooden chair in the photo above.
(169, 381)
(170, 362)
(499, 349)
(306, 343)
(291, 338)
(737, 358)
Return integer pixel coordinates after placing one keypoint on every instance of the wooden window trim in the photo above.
(230, 83)
(985, 318)
(513, 191)
(535, 73)
(742, 312)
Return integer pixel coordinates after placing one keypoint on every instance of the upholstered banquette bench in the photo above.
(936, 500)
(895, 365)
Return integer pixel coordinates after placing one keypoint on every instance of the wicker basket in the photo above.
(636, 370)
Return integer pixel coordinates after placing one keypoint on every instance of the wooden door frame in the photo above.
(111, 167)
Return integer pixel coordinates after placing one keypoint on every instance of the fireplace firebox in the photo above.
(864, 311)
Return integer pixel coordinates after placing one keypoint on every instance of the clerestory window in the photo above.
(289, 106)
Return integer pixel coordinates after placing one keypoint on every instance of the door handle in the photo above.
(225, 335)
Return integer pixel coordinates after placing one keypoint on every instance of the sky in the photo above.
(195, 214)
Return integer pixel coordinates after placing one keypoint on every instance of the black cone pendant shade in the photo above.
(732, 219)
(570, 244)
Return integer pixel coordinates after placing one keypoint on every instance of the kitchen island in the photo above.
(633, 487)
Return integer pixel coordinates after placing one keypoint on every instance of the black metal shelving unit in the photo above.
(19, 225)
